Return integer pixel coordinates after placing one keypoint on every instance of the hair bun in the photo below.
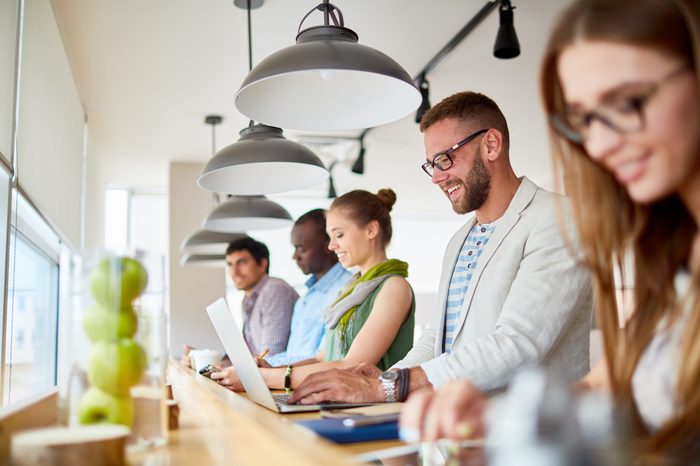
(387, 197)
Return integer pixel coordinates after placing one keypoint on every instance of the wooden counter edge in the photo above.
(292, 443)
(37, 411)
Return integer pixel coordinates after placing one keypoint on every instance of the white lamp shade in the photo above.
(327, 82)
(245, 213)
(209, 242)
(262, 161)
(205, 260)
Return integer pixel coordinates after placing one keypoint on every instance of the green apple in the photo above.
(116, 281)
(102, 324)
(115, 366)
(97, 407)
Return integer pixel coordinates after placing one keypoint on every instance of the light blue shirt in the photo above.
(461, 277)
(308, 327)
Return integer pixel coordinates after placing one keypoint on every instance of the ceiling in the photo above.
(149, 71)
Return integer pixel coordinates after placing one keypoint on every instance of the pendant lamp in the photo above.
(207, 247)
(207, 260)
(243, 213)
(262, 161)
(327, 81)
(208, 242)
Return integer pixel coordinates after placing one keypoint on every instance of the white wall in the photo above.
(191, 288)
(94, 198)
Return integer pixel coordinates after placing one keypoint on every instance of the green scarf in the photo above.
(388, 267)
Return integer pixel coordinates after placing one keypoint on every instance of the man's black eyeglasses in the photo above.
(443, 160)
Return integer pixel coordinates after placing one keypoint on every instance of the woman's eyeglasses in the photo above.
(624, 114)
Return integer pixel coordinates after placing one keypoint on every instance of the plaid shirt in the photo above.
(267, 314)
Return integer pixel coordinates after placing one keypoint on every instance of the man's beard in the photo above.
(476, 188)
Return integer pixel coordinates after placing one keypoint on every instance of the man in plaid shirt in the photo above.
(268, 301)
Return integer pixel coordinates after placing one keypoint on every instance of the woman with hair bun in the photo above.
(372, 320)
(359, 228)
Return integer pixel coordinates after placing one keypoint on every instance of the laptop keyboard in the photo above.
(282, 399)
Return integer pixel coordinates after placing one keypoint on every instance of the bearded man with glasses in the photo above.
(511, 294)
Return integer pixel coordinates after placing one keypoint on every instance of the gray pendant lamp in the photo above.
(206, 260)
(262, 161)
(327, 81)
(261, 149)
(243, 213)
(208, 242)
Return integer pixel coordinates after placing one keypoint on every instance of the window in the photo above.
(32, 307)
(116, 218)
(136, 220)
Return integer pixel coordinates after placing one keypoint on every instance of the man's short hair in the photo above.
(472, 108)
(256, 249)
(318, 218)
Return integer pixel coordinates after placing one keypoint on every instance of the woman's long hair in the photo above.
(610, 224)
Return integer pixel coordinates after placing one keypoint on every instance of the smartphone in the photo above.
(364, 420)
(207, 370)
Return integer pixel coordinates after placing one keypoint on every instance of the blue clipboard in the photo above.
(339, 432)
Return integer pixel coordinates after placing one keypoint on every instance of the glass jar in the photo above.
(117, 350)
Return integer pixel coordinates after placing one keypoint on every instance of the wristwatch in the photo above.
(388, 380)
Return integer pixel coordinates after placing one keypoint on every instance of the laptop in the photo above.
(251, 378)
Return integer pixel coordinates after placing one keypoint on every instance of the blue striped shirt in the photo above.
(461, 277)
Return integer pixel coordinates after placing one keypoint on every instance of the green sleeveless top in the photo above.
(403, 342)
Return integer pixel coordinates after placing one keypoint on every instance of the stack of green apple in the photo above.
(116, 361)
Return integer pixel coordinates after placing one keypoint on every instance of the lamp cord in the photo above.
(213, 124)
(213, 139)
(250, 50)
(250, 41)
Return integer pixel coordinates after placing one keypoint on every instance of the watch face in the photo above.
(389, 375)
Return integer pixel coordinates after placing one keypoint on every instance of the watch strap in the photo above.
(389, 389)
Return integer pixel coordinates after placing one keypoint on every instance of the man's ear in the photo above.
(494, 144)
(264, 263)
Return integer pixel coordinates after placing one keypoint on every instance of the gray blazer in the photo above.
(528, 302)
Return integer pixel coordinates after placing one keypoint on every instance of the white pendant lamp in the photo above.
(287, 165)
(262, 161)
(206, 260)
(208, 242)
(327, 81)
(243, 213)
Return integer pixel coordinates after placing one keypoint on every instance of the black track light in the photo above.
(359, 165)
(507, 45)
(331, 186)
(424, 88)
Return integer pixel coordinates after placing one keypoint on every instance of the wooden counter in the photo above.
(219, 427)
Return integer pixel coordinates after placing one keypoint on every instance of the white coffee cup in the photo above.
(201, 357)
